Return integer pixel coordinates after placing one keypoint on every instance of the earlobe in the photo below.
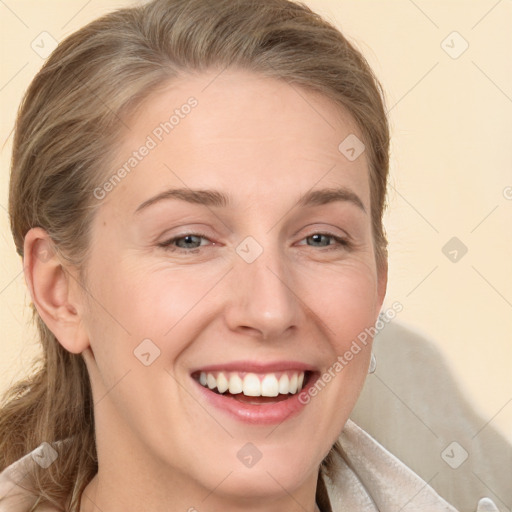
(49, 284)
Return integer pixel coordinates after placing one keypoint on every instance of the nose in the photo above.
(262, 299)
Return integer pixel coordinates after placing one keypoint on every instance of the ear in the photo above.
(53, 290)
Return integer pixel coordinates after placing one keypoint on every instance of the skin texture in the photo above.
(264, 144)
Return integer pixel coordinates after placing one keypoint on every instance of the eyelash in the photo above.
(341, 243)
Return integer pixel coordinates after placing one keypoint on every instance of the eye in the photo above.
(326, 240)
(185, 243)
(191, 242)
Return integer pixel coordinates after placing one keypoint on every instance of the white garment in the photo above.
(374, 480)
(414, 406)
(371, 480)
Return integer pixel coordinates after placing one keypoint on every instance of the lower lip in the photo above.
(257, 414)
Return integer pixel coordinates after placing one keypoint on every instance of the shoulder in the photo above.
(15, 489)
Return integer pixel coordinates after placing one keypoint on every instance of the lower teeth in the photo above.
(240, 397)
(258, 399)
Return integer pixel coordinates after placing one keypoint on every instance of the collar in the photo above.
(370, 479)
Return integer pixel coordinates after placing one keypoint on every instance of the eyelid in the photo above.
(181, 230)
(322, 228)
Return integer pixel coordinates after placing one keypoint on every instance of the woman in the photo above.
(197, 193)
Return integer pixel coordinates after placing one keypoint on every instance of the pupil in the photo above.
(317, 238)
(189, 240)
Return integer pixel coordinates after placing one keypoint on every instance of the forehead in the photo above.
(246, 134)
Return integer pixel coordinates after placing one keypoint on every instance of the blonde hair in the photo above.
(65, 133)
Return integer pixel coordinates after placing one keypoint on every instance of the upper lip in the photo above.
(256, 367)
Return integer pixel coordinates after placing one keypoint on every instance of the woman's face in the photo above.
(237, 245)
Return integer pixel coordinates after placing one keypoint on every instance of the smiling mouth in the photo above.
(254, 388)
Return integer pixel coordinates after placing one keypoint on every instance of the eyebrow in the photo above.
(215, 198)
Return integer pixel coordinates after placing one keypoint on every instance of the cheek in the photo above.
(346, 303)
(344, 300)
(130, 303)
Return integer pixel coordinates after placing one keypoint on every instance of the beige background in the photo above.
(451, 171)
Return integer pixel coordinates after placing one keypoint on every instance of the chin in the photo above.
(266, 481)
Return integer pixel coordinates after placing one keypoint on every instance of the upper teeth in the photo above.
(252, 384)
